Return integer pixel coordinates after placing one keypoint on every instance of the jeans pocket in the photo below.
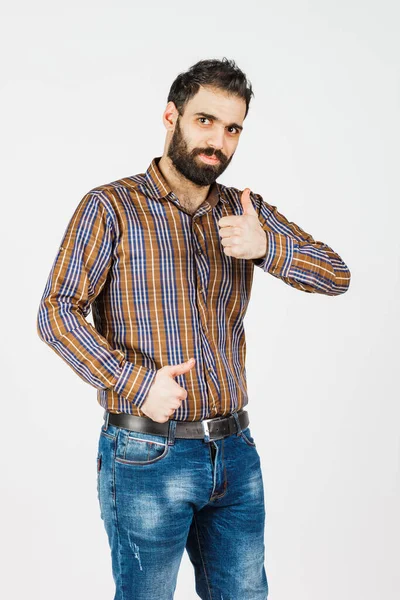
(140, 448)
(247, 437)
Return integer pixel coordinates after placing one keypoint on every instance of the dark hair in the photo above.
(222, 74)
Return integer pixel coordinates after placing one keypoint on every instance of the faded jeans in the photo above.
(160, 494)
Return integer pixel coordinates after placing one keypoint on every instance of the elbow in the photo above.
(43, 327)
(40, 329)
(342, 282)
(39, 322)
(339, 286)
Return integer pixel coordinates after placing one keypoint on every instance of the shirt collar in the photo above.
(160, 188)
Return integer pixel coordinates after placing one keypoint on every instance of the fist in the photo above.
(165, 395)
(242, 235)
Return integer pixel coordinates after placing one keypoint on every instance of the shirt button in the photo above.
(199, 251)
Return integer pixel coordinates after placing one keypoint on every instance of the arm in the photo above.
(295, 257)
(78, 275)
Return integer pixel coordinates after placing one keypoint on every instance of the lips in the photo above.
(208, 159)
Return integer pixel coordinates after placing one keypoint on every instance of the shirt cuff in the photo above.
(133, 382)
(279, 255)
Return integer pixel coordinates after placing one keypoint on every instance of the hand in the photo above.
(165, 395)
(242, 235)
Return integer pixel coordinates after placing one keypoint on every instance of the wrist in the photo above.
(263, 248)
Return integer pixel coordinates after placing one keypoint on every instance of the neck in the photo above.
(188, 193)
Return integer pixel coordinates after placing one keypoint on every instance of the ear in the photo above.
(170, 116)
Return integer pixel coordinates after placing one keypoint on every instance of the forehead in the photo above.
(227, 107)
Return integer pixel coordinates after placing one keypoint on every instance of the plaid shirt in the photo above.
(162, 290)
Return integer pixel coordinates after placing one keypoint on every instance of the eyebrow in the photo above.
(208, 116)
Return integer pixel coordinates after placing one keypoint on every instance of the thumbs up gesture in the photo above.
(165, 395)
(242, 235)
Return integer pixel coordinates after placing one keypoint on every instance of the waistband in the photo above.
(208, 429)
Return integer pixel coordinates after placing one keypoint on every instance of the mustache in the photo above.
(211, 152)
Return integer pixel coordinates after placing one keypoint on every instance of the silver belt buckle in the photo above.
(206, 430)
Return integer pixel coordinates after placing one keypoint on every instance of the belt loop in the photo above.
(171, 432)
(238, 427)
(106, 416)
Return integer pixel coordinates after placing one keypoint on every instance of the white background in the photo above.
(83, 89)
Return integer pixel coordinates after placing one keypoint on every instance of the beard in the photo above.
(189, 165)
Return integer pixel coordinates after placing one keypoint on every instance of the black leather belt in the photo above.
(215, 428)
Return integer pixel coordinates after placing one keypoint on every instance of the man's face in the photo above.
(210, 126)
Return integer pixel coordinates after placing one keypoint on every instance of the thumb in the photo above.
(184, 367)
(248, 208)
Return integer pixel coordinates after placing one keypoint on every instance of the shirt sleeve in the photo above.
(77, 276)
(296, 258)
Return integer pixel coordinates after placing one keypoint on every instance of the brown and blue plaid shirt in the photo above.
(162, 290)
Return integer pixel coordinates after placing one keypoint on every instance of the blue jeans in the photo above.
(160, 494)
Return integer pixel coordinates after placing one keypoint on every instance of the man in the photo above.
(165, 259)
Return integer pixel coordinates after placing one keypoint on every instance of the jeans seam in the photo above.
(202, 559)
(116, 517)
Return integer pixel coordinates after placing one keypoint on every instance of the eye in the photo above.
(236, 131)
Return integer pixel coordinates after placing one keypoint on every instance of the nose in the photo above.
(216, 141)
